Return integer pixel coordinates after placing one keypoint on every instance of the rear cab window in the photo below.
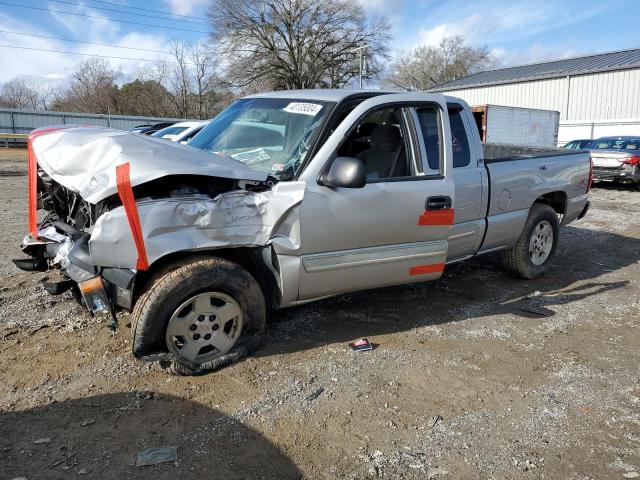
(459, 138)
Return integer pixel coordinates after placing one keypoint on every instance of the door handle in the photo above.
(542, 167)
(438, 203)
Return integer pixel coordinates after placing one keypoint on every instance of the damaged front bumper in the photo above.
(100, 289)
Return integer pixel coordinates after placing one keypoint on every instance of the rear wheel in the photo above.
(537, 244)
(199, 317)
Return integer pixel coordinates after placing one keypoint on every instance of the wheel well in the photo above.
(556, 200)
(251, 259)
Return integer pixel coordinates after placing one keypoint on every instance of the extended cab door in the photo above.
(393, 230)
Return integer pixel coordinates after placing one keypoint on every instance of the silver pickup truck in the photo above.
(284, 198)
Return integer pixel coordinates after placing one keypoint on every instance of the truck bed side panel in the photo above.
(517, 183)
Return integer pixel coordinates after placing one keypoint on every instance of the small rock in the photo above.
(86, 422)
(19, 478)
(315, 394)
(83, 471)
(42, 440)
(631, 474)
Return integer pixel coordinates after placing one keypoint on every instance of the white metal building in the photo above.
(596, 95)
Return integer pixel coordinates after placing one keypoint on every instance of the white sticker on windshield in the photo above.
(311, 109)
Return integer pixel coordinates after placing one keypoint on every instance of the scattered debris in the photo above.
(542, 311)
(315, 394)
(86, 422)
(42, 440)
(435, 420)
(361, 345)
(154, 456)
(434, 472)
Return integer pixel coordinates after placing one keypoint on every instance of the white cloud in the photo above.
(501, 23)
(535, 53)
(49, 66)
(185, 7)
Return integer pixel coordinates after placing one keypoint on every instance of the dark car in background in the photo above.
(616, 159)
(149, 129)
(577, 144)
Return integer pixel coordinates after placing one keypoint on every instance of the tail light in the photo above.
(590, 174)
(635, 160)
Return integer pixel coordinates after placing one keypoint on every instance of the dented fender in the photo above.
(238, 218)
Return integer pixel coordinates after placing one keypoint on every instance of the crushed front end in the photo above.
(111, 204)
(61, 242)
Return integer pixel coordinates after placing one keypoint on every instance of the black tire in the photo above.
(168, 290)
(518, 259)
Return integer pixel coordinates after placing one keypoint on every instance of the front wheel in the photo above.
(537, 244)
(200, 316)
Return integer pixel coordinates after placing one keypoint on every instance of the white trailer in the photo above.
(517, 126)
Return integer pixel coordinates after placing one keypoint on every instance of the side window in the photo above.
(459, 139)
(378, 140)
(430, 129)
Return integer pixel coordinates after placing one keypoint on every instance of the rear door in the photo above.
(395, 229)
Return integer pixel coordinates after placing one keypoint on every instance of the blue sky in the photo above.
(516, 31)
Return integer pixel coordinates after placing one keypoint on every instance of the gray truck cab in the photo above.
(283, 199)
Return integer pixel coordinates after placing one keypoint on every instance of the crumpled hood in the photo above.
(84, 160)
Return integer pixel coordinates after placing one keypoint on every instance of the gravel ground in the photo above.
(477, 375)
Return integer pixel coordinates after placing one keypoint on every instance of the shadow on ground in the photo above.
(475, 288)
(97, 437)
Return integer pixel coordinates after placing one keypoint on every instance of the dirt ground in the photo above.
(478, 375)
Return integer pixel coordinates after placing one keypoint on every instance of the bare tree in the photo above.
(285, 44)
(204, 79)
(26, 94)
(178, 77)
(93, 88)
(425, 67)
(191, 81)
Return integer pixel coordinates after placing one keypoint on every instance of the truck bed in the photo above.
(498, 152)
(518, 176)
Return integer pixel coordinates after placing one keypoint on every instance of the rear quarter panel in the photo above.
(517, 184)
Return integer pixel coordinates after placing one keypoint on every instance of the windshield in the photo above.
(270, 135)
(169, 131)
(614, 144)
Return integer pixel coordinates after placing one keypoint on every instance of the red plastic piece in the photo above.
(437, 217)
(425, 269)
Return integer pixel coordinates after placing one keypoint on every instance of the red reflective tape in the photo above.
(32, 178)
(425, 269)
(437, 217)
(129, 203)
(32, 186)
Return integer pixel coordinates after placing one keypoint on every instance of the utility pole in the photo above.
(359, 51)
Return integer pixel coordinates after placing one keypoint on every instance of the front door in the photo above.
(394, 230)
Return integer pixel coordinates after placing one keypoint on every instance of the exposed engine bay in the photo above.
(183, 200)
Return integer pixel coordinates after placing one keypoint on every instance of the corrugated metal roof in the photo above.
(602, 62)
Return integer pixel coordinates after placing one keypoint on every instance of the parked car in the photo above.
(616, 159)
(577, 144)
(287, 198)
(180, 132)
(149, 129)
